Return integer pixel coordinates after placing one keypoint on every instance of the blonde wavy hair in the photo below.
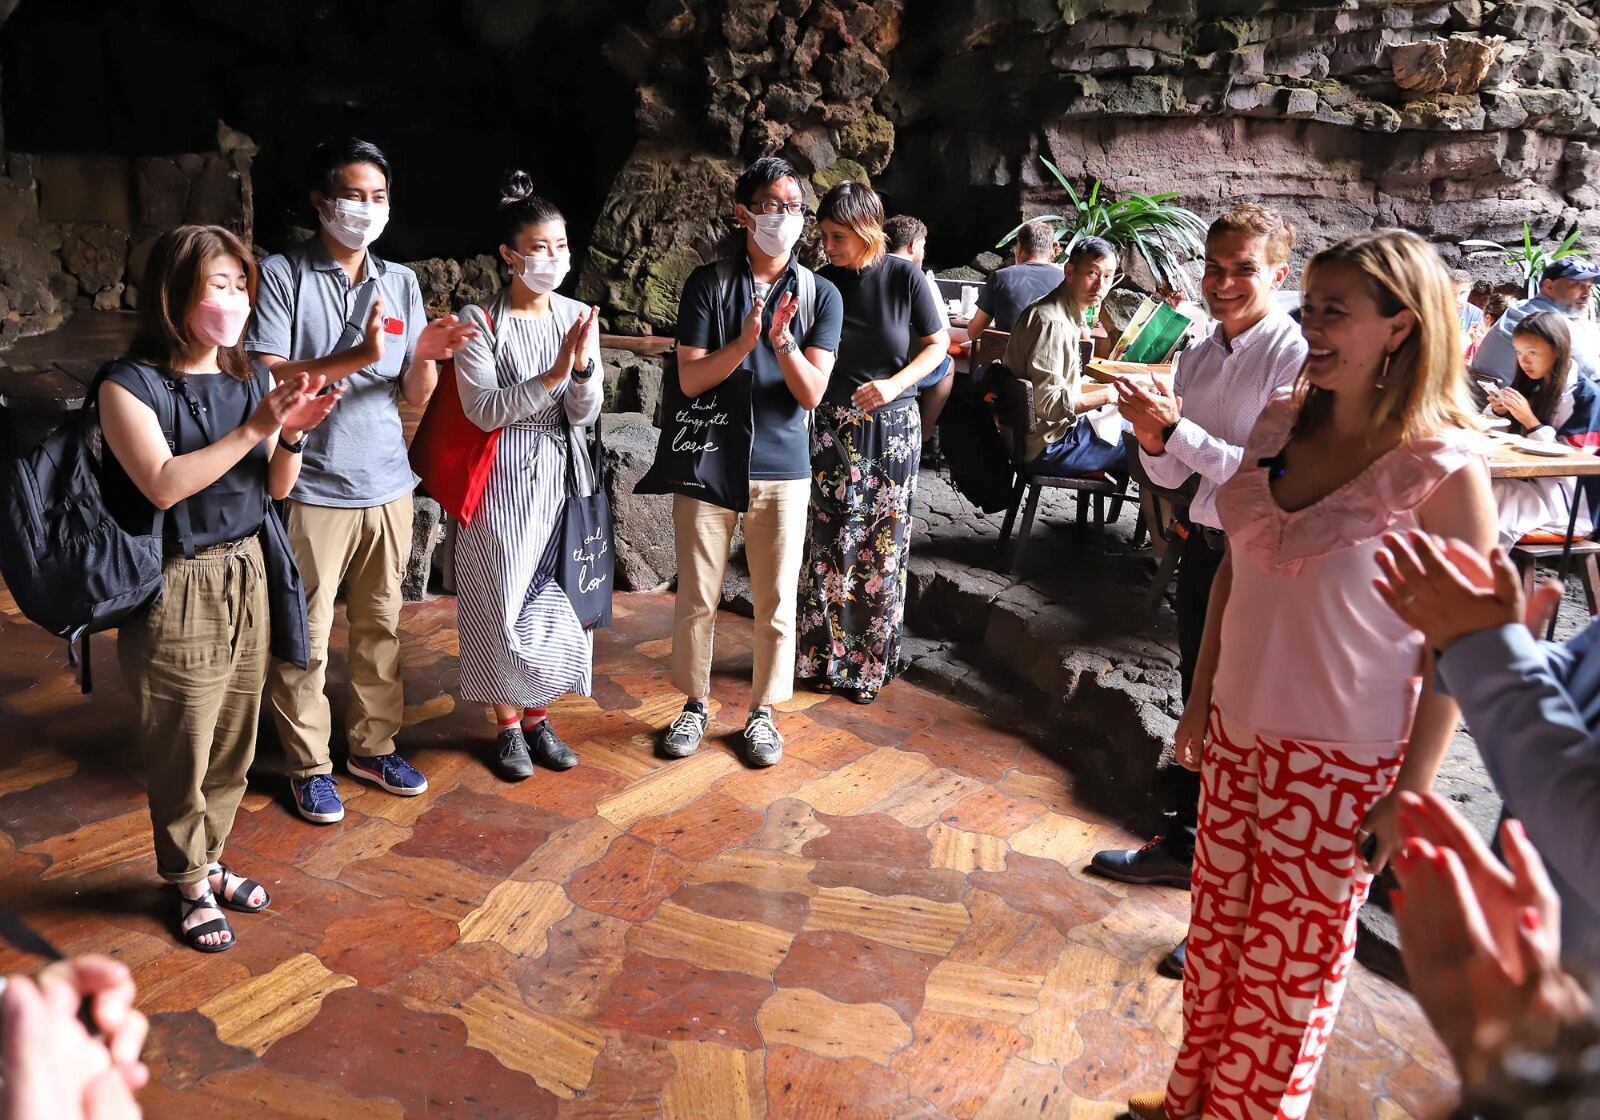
(858, 208)
(1424, 387)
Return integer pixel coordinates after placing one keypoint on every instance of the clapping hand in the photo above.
(370, 348)
(313, 407)
(441, 338)
(293, 404)
(54, 1069)
(580, 336)
(1151, 411)
(1480, 938)
(1447, 589)
(750, 329)
(782, 316)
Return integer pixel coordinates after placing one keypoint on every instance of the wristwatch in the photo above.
(786, 345)
(294, 448)
(586, 372)
(1166, 433)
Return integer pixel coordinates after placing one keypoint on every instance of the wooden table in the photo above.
(1505, 461)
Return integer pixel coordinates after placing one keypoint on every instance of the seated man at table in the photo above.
(908, 238)
(1566, 287)
(1044, 349)
(1199, 428)
(1011, 290)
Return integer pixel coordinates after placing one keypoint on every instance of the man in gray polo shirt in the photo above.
(349, 516)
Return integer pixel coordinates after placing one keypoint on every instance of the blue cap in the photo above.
(1571, 268)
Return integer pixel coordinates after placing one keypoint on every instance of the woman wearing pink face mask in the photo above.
(198, 441)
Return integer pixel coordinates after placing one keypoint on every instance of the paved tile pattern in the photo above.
(894, 922)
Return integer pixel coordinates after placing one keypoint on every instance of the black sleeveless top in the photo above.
(208, 406)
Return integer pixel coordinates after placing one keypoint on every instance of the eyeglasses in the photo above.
(771, 206)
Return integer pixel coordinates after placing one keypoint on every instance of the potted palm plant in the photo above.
(1529, 258)
(1163, 234)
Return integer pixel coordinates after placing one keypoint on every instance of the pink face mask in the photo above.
(218, 320)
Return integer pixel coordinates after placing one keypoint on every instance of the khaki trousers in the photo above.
(366, 551)
(774, 544)
(196, 661)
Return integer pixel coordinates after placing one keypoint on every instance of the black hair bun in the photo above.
(518, 187)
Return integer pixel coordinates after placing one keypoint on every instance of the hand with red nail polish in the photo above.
(1479, 938)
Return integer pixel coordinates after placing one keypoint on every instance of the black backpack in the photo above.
(71, 568)
(980, 465)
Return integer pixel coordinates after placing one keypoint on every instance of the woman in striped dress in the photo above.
(534, 359)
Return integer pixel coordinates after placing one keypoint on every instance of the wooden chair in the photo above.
(1527, 556)
(1014, 405)
(990, 347)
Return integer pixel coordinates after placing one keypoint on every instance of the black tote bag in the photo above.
(704, 448)
(588, 561)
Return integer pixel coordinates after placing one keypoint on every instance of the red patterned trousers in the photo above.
(1277, 884)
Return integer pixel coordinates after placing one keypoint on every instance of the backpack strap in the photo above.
(165, 390)
(806, 294)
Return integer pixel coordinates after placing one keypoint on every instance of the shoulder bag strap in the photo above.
(356, 325)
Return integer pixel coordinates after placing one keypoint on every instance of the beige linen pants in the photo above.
(196, 661)
(366, 551)
(774, 544)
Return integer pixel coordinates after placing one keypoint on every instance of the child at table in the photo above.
(1545, 402)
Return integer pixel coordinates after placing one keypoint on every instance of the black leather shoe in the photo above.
(511, 760)
(1153, 863)
(1171, 965)
(549, 750)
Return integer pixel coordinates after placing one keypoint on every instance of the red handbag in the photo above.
(451, 454)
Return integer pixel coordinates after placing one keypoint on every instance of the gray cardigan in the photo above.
(491, 407)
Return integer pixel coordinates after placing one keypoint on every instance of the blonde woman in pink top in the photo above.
(1313, 705)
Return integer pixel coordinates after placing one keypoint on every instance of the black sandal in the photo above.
(191, 937)
(246, 887)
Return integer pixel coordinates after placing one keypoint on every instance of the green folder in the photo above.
(1158, 336)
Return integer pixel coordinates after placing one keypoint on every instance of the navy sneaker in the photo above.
(391, 772)
(317, 798)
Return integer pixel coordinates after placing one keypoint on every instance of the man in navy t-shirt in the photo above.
(1012, 290)
(748, 326)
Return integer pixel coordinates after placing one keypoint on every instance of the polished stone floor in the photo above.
(894, 922)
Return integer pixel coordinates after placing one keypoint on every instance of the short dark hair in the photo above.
(1495, 306)
(903, 230)
(1091, 249)
(521, 208)
(330, 157)
(762, 173)
(1037, 239)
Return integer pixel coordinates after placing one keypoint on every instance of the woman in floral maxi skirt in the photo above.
(866, 439)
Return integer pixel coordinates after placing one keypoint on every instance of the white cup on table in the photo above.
(969, 301)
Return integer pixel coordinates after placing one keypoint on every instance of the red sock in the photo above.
(532, 716)
(505, 723)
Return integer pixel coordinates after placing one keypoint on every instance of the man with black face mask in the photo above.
(349, 516)
(787, 352)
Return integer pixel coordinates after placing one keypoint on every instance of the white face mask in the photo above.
(544, 274)
(776, 234)
(355, 225)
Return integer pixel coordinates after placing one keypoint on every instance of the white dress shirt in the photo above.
(1224, 388)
